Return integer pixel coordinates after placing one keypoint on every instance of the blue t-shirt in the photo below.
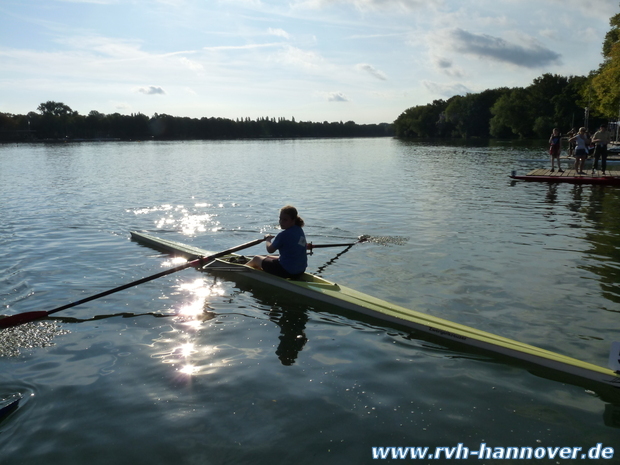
(291, 243)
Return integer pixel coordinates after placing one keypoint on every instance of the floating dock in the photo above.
(610, 178)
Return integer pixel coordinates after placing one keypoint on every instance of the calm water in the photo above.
(250, 375)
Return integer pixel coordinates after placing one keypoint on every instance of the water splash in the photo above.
(384, 240)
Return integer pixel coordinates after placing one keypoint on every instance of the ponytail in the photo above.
(292, 212)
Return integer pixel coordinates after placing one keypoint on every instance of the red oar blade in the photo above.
(21, 318)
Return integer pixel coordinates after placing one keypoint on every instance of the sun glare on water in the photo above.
(177, 347)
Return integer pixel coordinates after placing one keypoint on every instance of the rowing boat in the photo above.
(9, 405)
(322, 290)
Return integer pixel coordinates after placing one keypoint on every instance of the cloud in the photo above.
(151, 90)
(241, 47)
(336, 97)
(446, 66)
(279, 33)
(446, 90)
(97, 2)
(496, 48)
(300, 58)
(371, 70)
(603, 11)
(367, 5)
(122, 106)
(193, 65)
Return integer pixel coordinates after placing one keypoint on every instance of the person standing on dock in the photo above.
(601, 139)
(555, 147)
(581, 149)
(293, 259)
(571, 143)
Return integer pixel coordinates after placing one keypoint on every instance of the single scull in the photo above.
(322, 290)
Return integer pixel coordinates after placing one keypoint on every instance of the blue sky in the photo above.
(315, 60)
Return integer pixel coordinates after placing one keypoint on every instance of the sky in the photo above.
(365, 61)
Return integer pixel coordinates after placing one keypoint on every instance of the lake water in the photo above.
(190, 369)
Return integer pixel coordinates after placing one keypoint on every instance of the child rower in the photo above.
(291, 243)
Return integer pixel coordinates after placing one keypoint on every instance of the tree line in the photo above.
(550, 101)
(55, 121)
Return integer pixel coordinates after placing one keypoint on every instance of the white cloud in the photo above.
(241, 47)
(601, 9)
(279, 33)
(549, 33)
(151, 90)
(446, 90)
(336, 97)
(374, 72)
(367, 5)
(300, 58)
(122, 106)
(97, 2)
(193, 65)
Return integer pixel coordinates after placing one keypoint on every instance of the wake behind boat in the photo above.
(322, 290)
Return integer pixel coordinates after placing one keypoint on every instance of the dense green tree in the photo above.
(421, 121)
(56, 121)
(603, 93)
(470, 114)
(541, 93)
(612, 37)
(511, 111)
(606, 84)
(568, 105)
(54, 108)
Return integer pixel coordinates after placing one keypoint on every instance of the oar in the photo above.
(312, 246)
(21, 318)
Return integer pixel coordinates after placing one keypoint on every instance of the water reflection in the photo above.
(178, 346)
(183, 346)
(552, 193)
(189, 220)
(595, 211)
(601, 208)
(292, 337)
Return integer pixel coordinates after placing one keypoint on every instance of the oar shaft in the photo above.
(311, 246)
(26, 317)
(128, 285)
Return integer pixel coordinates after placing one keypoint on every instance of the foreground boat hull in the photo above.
(322, 290)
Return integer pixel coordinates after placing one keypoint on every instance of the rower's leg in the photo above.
(256, 262)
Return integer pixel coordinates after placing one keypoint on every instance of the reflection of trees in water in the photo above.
(601, 207)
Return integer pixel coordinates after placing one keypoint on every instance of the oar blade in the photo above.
(21, 318)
